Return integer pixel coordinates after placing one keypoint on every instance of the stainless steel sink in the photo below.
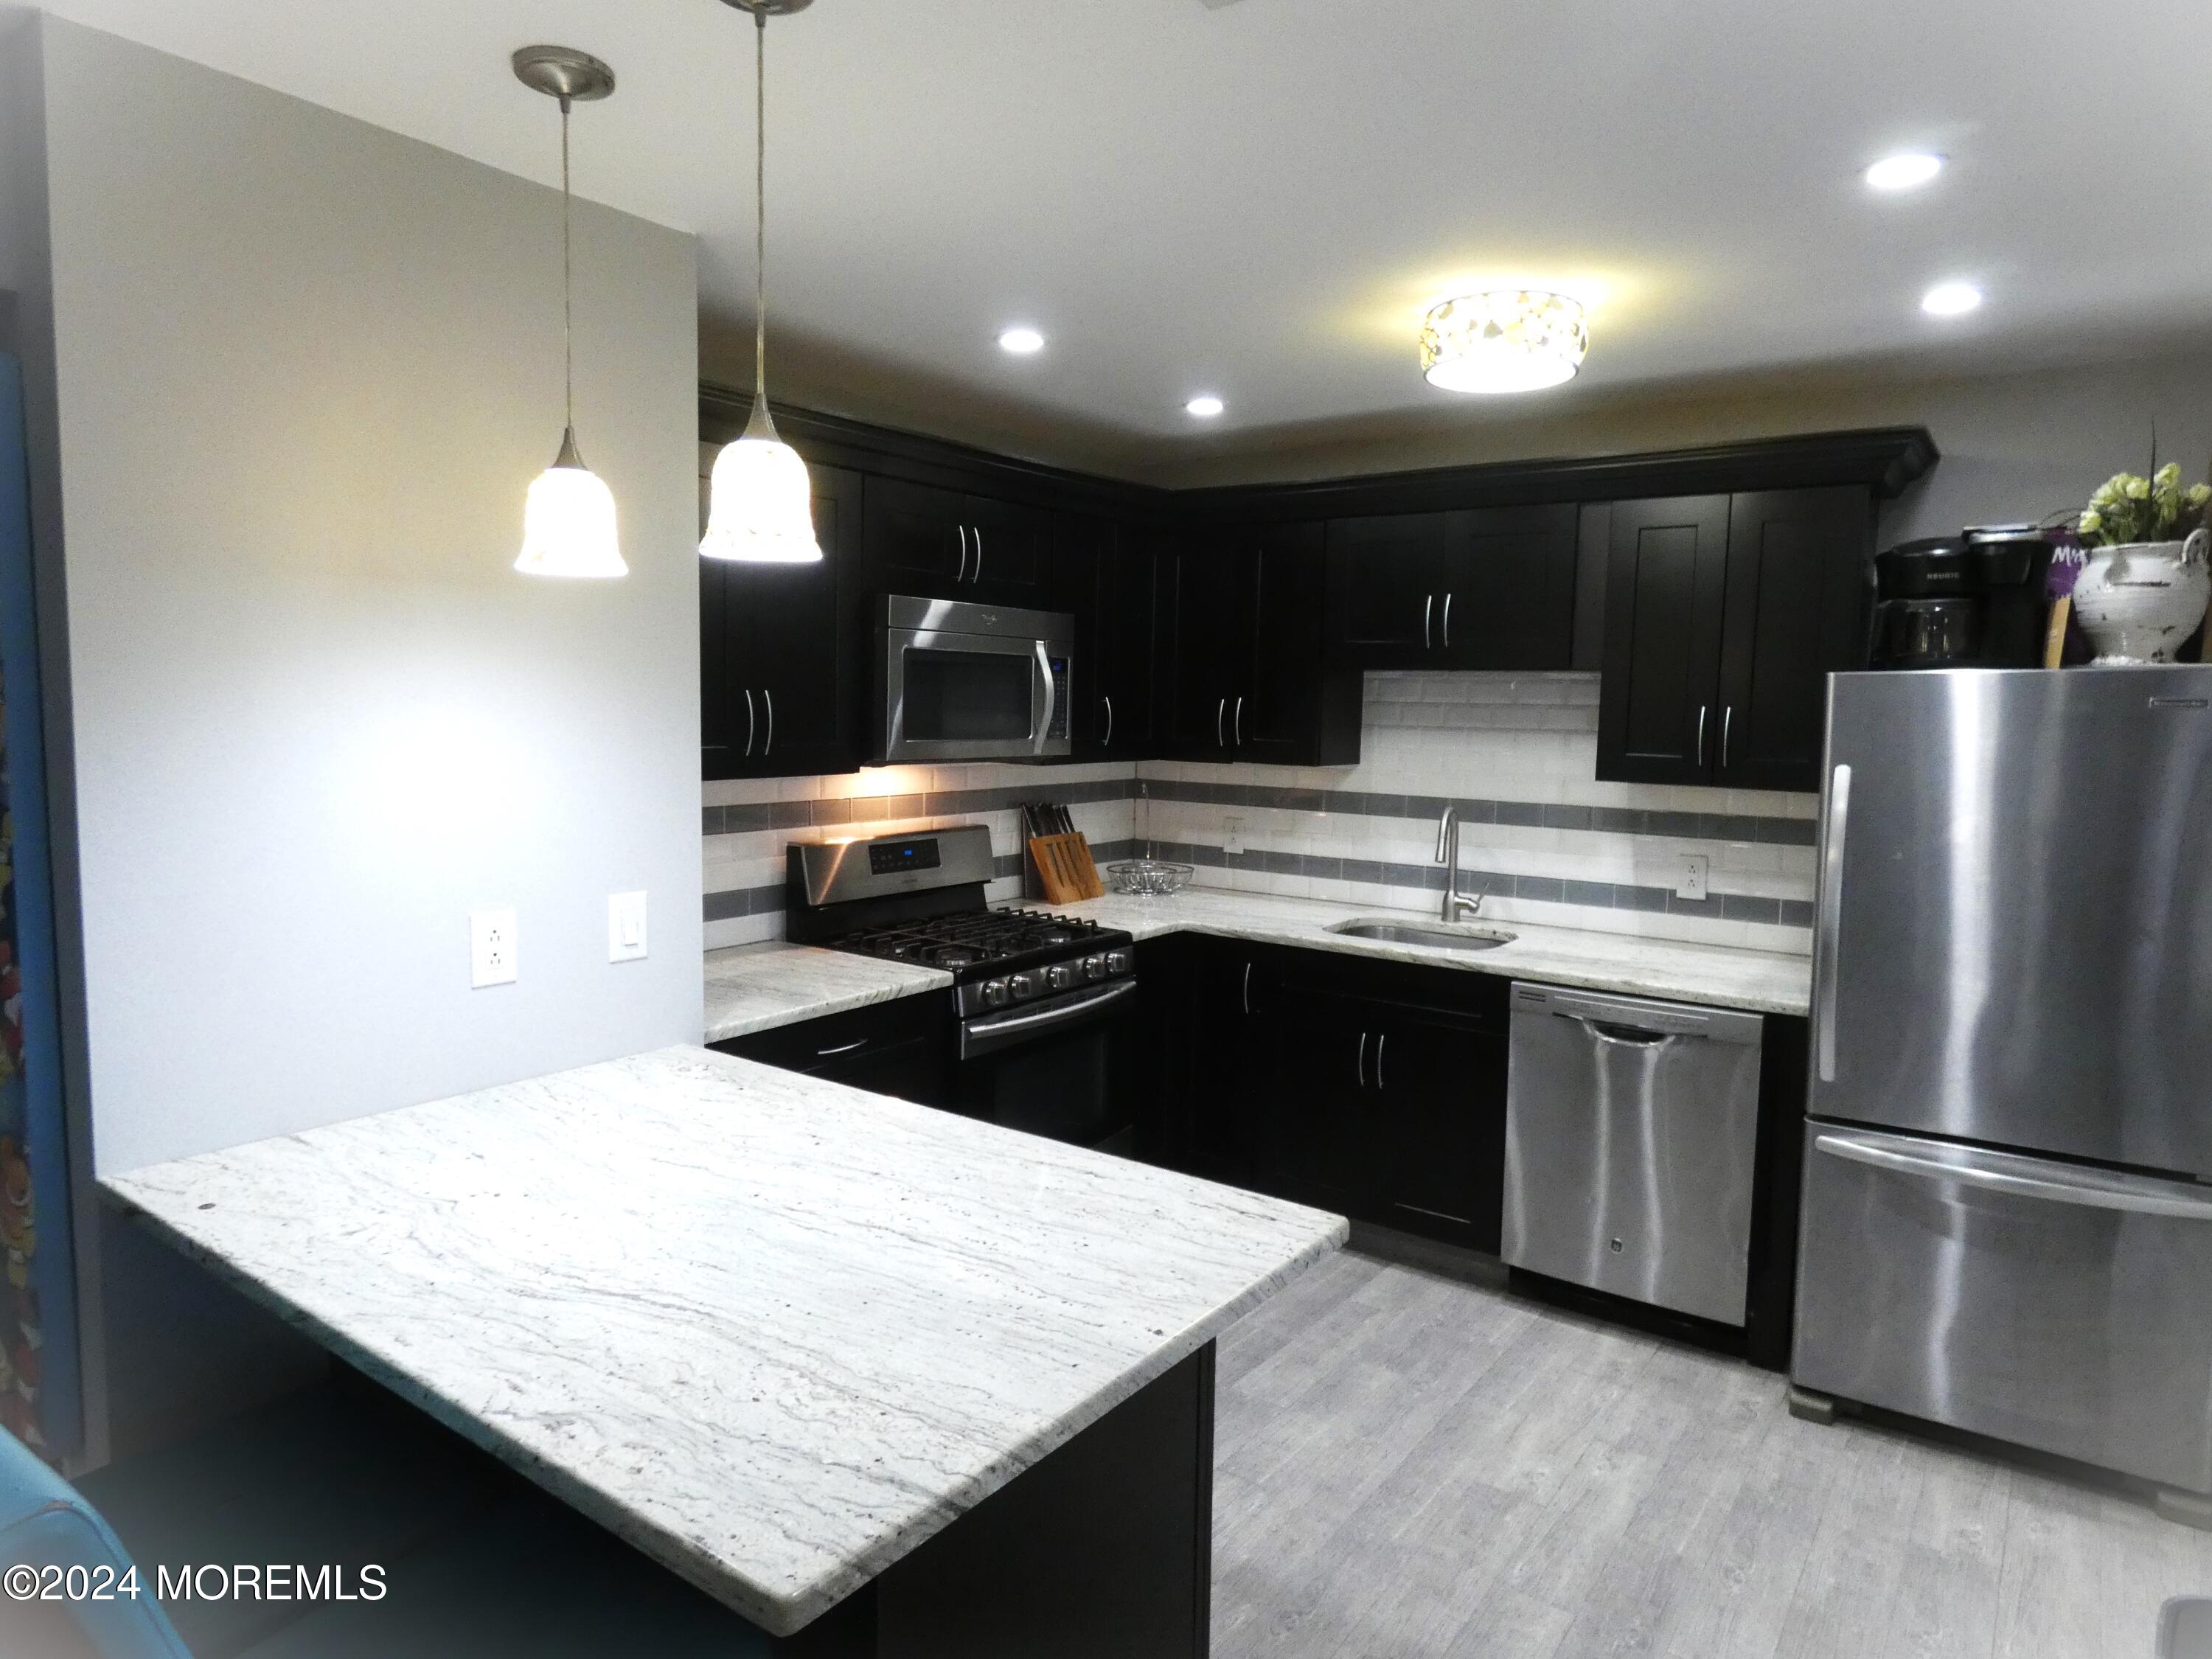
(1436, 935)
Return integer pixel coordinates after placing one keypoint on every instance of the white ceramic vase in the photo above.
(2139, 602)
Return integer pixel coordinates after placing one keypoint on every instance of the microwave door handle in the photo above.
(1047, 698)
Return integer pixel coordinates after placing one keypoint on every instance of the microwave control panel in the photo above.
(1058, 729)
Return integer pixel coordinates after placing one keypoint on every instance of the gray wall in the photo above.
(307, 370)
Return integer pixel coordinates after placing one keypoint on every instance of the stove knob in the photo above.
(1093, 967)
(995, 994)
(1060, 975)
(1117, 962)
(1023, 987)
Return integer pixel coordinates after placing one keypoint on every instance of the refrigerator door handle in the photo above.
(1828, 941)
(2019, 1176)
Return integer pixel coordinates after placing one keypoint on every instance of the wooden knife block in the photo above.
(1065, 869)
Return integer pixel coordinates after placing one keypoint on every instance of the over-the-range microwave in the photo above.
(966, 682)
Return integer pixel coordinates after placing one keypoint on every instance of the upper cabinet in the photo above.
(1489, 587)
(951, 544)
(781, 676)
(1118, 570)
(1725, 615)
(1243, 673)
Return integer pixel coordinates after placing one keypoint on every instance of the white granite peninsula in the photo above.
(811, 1349)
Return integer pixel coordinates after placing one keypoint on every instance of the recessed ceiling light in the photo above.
(1908, 171)
(1021, 340)
(1206, 408)
(1950, 299)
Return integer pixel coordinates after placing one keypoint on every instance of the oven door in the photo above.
(1058, 1068)
(953, 697)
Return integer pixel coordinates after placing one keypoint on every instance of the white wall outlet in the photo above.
(491, 948)
(1690, 877)
(1232, 836)
(625, 926)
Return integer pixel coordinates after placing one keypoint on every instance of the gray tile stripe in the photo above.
(1612, 820)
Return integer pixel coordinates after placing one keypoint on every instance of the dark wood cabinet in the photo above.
(901, 1047)
(1440, 1101)
(1203, 1062)
(954, 544)
(1485, 588)
(1723, 618)
(1240, 639)
(1119, 571)
(781, 676)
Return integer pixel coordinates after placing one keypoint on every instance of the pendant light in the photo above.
(1511, 340)
(568, 521)
(760, 505)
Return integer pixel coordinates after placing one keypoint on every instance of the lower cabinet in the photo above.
(900, 1047)
(1372, 1089)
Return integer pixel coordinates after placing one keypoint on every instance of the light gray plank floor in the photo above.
(1407, 1465)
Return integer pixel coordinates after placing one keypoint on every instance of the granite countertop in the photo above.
(1760, 981)
(772, 1330)
(755, 988)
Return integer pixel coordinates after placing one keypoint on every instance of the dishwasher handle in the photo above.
(1639, 1021)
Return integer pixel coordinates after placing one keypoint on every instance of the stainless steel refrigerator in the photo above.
(2007, 1226)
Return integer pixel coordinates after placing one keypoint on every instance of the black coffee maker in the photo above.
(1973, 601)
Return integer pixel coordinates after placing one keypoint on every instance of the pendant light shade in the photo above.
(1507, 341)
(569, 518)
(760, 505)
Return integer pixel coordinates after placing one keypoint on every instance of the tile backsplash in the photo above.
(1538, 834)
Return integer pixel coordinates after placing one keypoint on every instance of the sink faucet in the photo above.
(1447, 855)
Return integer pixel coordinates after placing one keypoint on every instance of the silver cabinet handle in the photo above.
(1447, 599)
(1827, 945)
(1239, 727)
(1381, 1042)
(1248, 987)
(978, 576)
(2018, 1176)
(1428, 606)
(841, 1049)
(1701, 734)
(1220, 713)
(1109, 742)
(1362, 1060)
(752, 720)
(963, 576)
(768, 698)
(1728, 725)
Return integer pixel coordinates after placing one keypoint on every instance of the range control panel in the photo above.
(888, 857)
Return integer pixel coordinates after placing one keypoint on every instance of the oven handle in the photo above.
(985, 1037)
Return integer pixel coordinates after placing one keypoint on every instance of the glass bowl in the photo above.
(1150, 877)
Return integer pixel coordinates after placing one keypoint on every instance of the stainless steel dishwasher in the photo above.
(1631, 1131)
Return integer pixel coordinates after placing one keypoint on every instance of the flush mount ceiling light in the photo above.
(1510, 340)
(760, 508)
(569, 518)
(1907, 171)
(1951, 300)
(1204, 407)
(1022, 342)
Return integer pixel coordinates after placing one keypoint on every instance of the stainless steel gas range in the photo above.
(1040, 1000)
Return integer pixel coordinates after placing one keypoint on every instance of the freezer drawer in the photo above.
(1631, 1133)
(2055, 1305)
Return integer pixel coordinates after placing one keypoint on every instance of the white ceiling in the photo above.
(1260, 197)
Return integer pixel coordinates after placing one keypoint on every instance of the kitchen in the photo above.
(1563, 1171)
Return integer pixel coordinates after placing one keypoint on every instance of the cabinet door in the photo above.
(1286, 706)
(1507, 597)
(1313, 1133)
(1010, 553)
(917, 539)
(1385, 582)
(1666, 578)
(1439, 1088)
(1200, 639)
(1799, 580)
(1119, 722)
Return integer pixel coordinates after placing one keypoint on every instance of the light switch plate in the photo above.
(491, 948)
(1691, 877)
(625, 926)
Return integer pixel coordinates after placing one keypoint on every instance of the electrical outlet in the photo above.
(1232, 836)
(1690, 876)
(491, 948)
(625, 926)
